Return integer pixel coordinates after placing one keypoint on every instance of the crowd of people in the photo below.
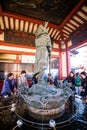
(76, 81)
(11, 84)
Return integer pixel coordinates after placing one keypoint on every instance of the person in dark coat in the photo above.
(9, 86)
(83, 84)
(34, 80)
(70, 81)
(56, 81)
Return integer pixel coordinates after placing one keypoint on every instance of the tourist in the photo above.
(56, 82)
(9, 86)
(51, 83)
(34, 80)
(22, 80)
(49, 77)
(77, 82)
(83, 84)
(70, 81)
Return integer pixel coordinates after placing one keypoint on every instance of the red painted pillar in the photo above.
(68, 61)
(64, 62)
(60, 66)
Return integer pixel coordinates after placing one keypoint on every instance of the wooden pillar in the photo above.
(68, 61)
(60, 64)
(64, 61)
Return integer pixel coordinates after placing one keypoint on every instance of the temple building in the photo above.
(66, 25)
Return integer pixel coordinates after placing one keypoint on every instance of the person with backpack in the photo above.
(83, 92)
(70, 81)
(77, 82)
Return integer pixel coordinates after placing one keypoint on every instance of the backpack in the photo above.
(78, 81)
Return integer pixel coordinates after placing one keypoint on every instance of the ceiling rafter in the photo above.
(9, 22)
(24, 26)
(74, 23)
(84, 12)
(6, 22)
(82, 16)
(29, 25)
(14, 24)
(78, 6)
(54, 32)
(33, 28)
(57, 33)
(67, 29)
(58, 37)
(63, 30)
(18, 24)
(70, 26)
(78, 19)
(50, 31)
(64, 34)
(84, 8)
(13, 15)
(3, 22)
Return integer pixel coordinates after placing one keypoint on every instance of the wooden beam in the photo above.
(81, 18)
(9, 23)
(13, 23)
(67, 30)
(69, 27)
(0, 10)
(17, 52)
(28, 27)
(76, 22)
(25, 18)
(78, 6)
(77, 45)
(16, 45)
(3, 22)
(23, 26)
(85, 13)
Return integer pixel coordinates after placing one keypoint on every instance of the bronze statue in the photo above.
(43, 50)
(43, 101)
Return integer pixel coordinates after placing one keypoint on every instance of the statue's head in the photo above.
(41, 29)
